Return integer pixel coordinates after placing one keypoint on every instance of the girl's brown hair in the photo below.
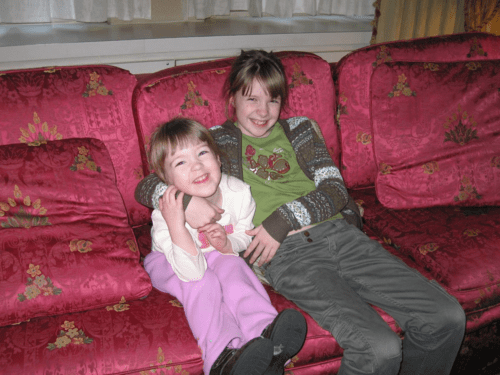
(176, 133)
(264, 66)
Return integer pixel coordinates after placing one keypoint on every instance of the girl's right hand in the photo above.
(172, 209)
(263, 245)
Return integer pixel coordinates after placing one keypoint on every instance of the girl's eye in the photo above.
(203, 152)
(179, 164)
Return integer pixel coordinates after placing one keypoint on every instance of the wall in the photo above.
(145, 48)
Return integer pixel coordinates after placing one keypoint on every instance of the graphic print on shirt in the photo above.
(272, 167)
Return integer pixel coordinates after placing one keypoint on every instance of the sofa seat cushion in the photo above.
(65, 241)
(436, 133)
(456, 246)
(147, 336)
(354, 73)
(38, 105)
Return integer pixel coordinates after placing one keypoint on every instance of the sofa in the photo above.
(414, 126)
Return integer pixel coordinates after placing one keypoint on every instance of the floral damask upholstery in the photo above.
(439, 150)
(196, 91)
(456, 246)
(354, 72)
(39, 105)
(65, 241)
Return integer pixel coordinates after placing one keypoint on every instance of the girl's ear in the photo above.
(231, 101)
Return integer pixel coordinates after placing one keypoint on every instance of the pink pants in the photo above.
(228, 306)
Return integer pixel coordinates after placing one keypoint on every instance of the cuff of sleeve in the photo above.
(276, 227)
(149, 191)
(185, 201)
(145, 190)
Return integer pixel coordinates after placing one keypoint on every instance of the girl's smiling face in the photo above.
(256, 112)
(194, 169)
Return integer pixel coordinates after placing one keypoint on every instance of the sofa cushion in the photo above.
(436, 133)
(65, 241)
(39, 105)
(353, 73)
(456, 246)
(149, 336)
(196, 91)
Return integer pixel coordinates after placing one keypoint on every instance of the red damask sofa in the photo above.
(415, 127)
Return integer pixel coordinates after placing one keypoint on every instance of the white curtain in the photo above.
(31, 11)
(201, 9)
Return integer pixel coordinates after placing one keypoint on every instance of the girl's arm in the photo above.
(198, 211)
(240, 206)
(171, 237)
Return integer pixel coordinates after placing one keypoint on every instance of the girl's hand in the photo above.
(172, 209)
(217, 237)
(262, 244)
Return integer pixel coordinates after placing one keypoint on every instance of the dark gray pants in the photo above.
(334, 271)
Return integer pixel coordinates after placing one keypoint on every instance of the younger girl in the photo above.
(228, 310)
(309, 240)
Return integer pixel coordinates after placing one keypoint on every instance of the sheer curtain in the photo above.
(31, 11)
(201, 9)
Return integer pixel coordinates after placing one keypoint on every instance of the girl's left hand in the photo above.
(262, 244)
(217, 237)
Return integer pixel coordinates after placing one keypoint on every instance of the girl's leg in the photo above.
(334, 272)
(243, 293)
(211, 322)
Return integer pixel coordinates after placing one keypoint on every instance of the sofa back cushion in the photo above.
(436, 133)
(39, 105)
(195, 91)
(66, 244)
(353, 82)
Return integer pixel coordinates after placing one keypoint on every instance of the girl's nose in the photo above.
(196, 165)
(263, 109)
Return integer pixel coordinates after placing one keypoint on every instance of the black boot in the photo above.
(253, 358)
(288, 333)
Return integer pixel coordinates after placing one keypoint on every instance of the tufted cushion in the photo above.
(65, 241)
(39, 105)
(196, 91)
(354, 71)
(436, 132)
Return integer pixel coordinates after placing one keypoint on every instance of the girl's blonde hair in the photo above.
(264, 66)
(176, 133)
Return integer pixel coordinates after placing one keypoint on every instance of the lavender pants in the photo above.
(227, 307)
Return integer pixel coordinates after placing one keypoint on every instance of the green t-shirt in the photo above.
(270, 167)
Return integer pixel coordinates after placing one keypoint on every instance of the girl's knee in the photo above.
(450, 317)
(388, 348)
(382, 357)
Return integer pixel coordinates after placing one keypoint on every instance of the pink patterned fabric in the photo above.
(65, 241)
(456, 246)
(436, 131)
(196, 91)
(38, 105)
(137, 337)
(354, 72)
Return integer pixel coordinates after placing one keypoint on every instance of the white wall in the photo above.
(148, 48)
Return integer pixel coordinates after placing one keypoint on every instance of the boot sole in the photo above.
(255, 359)
(289, 332)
